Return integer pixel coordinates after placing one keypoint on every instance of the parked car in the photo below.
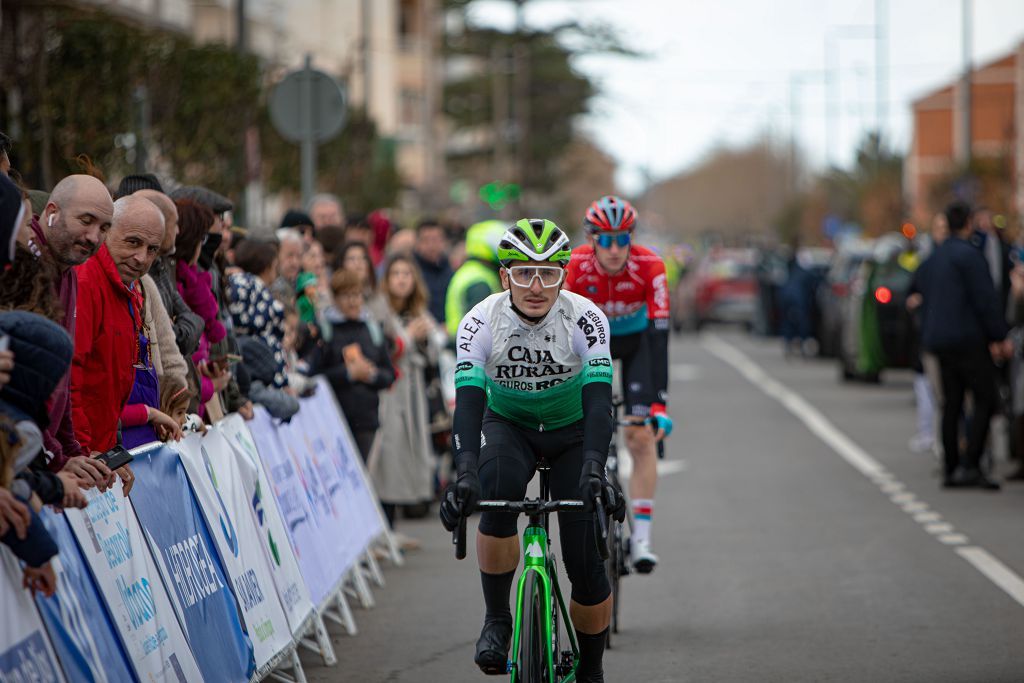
(878, 330)
(722, 289)
(834, 293)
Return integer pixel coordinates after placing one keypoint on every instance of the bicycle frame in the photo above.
(537, 560)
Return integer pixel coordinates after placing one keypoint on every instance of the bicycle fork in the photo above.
(535, 561)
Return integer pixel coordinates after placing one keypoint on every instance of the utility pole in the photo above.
(881, 66)
(499, 108)
(365, 45)
(521, 87)
(962, 135)
(242, 37)
(832, 76)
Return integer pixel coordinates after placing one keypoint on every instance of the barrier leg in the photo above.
(322, 644)
(362, 588)
(374, 568)
(394, 552)
(291, 664)
(344, 616)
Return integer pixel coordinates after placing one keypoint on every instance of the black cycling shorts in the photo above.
(508, 461)
(634, 351)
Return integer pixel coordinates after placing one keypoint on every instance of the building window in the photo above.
(411, 107)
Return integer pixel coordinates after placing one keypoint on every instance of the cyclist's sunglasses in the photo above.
(523, 276)
(605, 240)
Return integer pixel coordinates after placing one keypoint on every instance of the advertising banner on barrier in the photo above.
(112, 542)
(85, 641)
(191, 569)
(284, 568)
(331, 440)
(25, 652)
(214, 475)
(309, 531)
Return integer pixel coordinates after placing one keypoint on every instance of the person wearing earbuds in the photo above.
(71, 229)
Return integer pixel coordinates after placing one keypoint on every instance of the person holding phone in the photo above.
(356, 361)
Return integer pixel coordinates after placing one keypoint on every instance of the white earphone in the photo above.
(49, 221)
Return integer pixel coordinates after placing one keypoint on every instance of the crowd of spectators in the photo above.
(140, 313)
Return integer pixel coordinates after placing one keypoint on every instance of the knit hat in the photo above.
(131, 184)
(294, 218)
(217, 203)
(12, 210)
(304, 280)
(43, 351)
(258, 359)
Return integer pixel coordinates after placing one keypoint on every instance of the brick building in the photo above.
(997, 120)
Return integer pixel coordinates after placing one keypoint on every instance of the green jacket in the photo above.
(473, 282)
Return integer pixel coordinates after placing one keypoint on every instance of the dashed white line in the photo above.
(982, 560)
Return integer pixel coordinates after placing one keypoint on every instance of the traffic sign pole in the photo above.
(308, 107)
(308, 150)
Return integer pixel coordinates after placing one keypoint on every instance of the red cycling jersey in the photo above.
(630, 299)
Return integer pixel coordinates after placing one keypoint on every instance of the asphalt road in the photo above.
(800, 540)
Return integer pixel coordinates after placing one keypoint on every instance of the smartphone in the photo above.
(5, 342)
(116, 458)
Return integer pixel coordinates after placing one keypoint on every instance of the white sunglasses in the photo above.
(523, 276)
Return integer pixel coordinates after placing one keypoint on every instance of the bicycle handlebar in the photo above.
(536, 506)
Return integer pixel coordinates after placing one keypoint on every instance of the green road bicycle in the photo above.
(540, 619)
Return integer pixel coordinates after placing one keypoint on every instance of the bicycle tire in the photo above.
(532, 664)
(613, 566)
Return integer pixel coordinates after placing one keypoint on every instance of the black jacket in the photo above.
(359, 400)
(961, 308)
(436, 276)
(188, 327)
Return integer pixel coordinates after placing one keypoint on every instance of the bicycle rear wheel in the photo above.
(532, 665)
(613, 565)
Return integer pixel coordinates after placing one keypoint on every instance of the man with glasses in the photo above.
(627, 281)
(533, 380)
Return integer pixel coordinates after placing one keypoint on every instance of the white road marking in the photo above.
(683, 372)
(997, 572)
(819, 425)
(665, 467)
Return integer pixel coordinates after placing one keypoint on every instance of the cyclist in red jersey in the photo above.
(627, 281)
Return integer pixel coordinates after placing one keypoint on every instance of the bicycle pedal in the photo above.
(565, 664)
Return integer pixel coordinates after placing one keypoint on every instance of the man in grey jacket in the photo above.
(188, 327)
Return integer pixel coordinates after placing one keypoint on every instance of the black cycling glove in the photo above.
(593, 483)
(462, 495)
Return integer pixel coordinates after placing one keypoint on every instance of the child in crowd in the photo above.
(356, 361)
(295, 369)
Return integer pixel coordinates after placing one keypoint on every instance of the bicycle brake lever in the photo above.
(459, 538)
(601, 527)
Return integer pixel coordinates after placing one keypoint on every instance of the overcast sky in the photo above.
(720, 71)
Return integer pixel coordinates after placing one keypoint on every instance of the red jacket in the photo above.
(102, 372)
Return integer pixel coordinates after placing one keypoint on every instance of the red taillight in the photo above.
(883, 295)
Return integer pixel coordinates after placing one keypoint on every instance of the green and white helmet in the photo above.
(534, 239)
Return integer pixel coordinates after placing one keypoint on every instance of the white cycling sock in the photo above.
(643, 510)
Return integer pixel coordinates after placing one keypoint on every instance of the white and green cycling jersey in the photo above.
(534, 374)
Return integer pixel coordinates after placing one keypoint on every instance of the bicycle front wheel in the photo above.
(532, 666)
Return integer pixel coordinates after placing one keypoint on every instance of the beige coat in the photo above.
(167, 359)
(401, 463)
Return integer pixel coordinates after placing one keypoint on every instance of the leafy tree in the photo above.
(357, 165)
(555, 91)
(77, 89)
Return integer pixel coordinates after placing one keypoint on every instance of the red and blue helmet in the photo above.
(610, 214)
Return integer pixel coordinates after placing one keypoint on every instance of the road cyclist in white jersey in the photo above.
(533, 382)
